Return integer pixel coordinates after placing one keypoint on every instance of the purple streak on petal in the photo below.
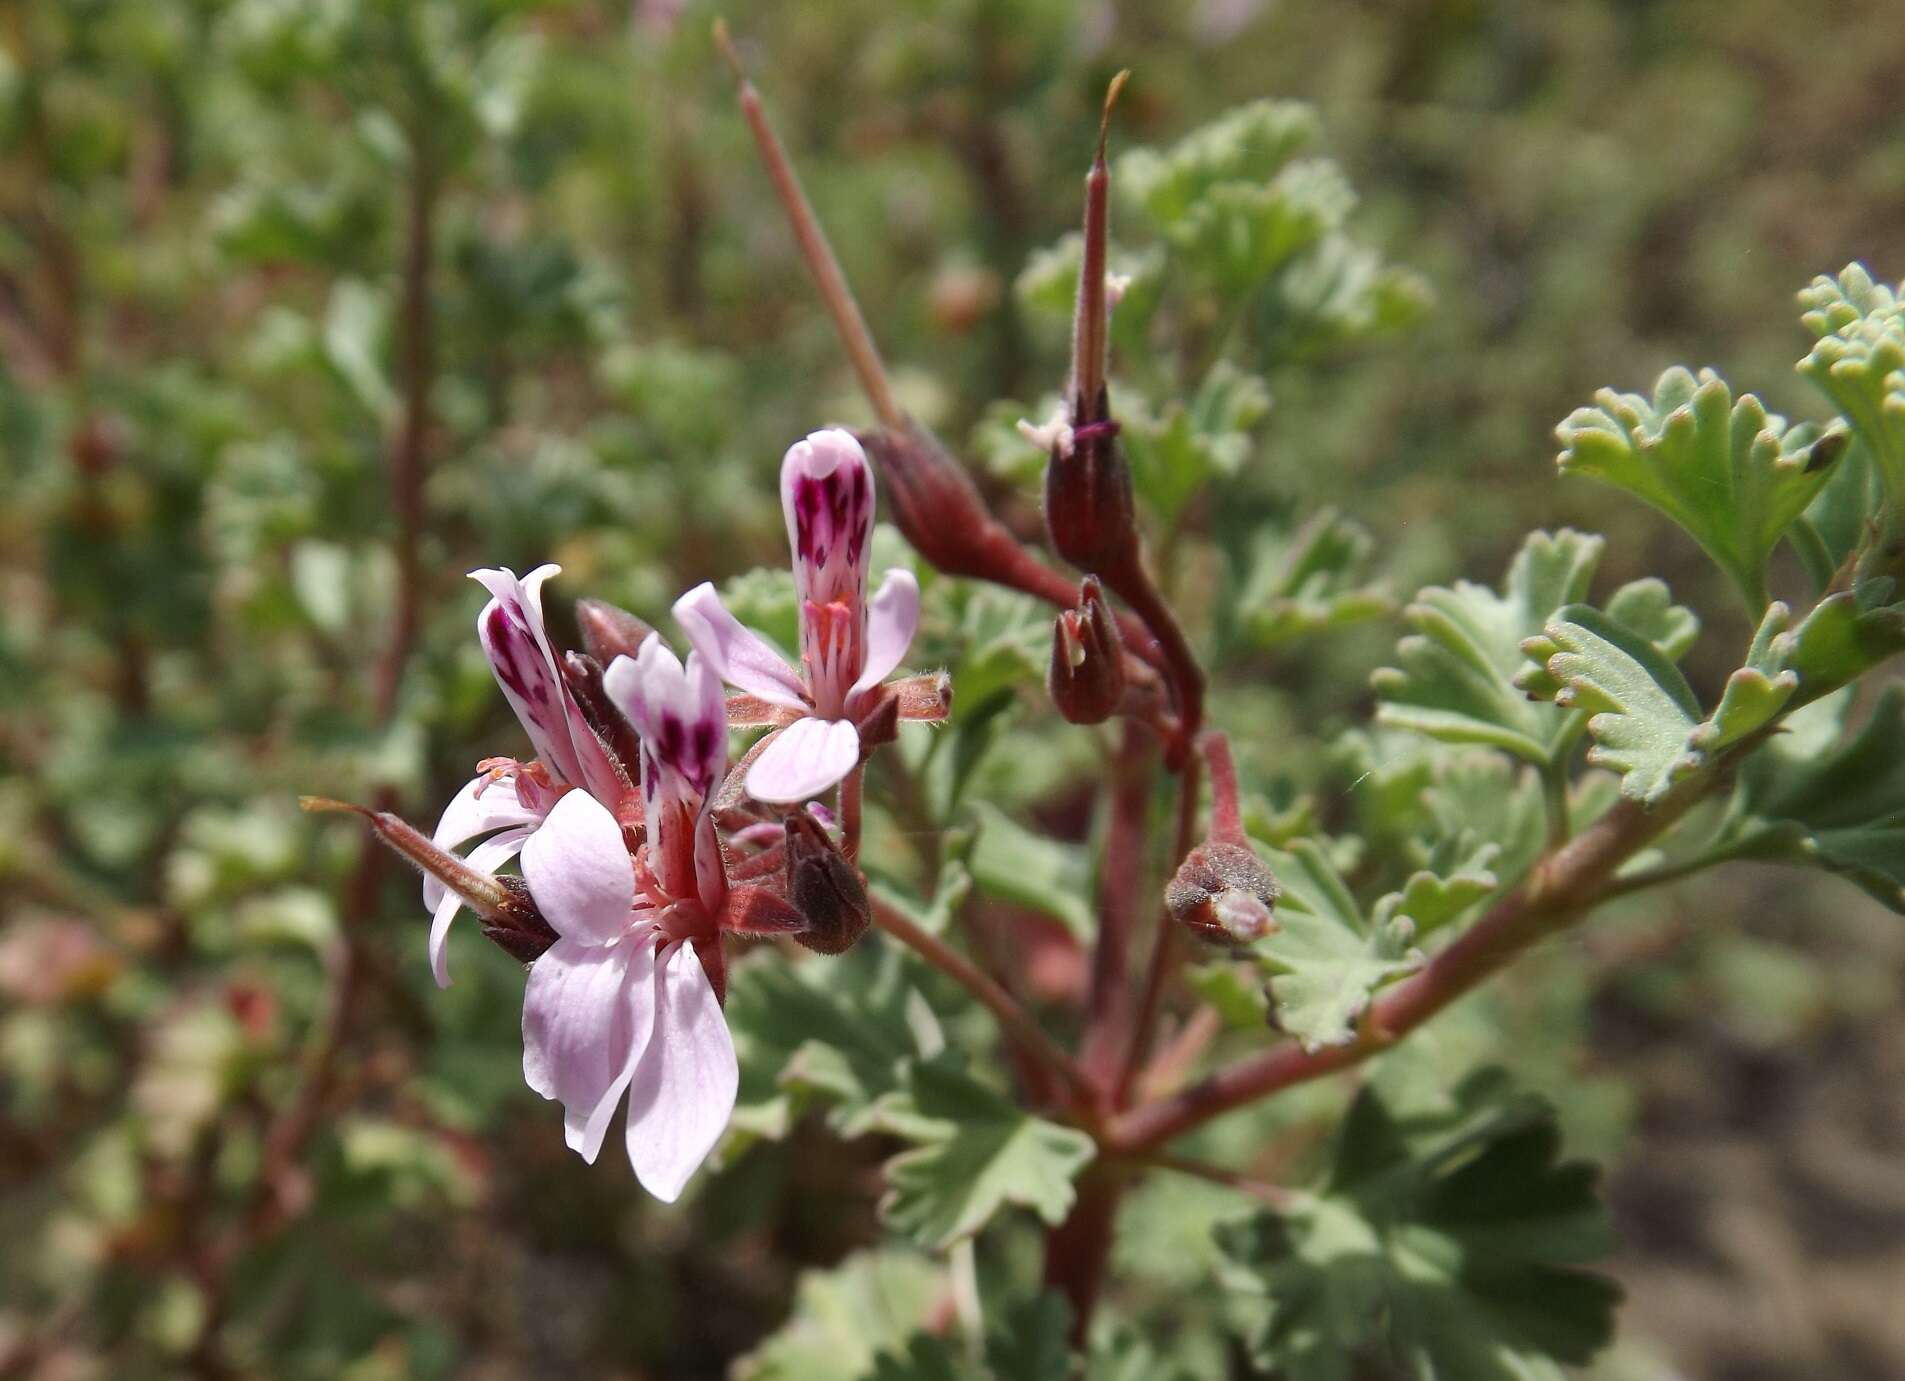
(892, 619)
(804, 759)
(512, 633)
(739, 655)
(579, 872)
(683, 1091)
(588, 1012)
(485, 803)
(486, 858)
(827, 500)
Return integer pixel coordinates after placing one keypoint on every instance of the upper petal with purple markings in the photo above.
(827, 499)
(678, 712)
(524, 662)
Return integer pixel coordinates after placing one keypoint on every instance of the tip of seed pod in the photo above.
(322, 805)
(1111, 99)
(724, 44)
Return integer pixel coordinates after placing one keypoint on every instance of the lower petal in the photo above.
(803, 760)
(683, 1090)
(588, 1011)
(485, 858)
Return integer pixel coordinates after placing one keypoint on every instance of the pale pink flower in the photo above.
(622, 1002)
(506, 801)
(848, 645)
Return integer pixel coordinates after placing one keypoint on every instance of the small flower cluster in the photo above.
(641, 851)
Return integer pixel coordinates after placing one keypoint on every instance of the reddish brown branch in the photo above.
(1018, 1023)
(1559, 892)
(1120, 894)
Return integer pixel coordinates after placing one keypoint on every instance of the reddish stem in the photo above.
(1121, 889)
(1018, 1023)
(1560, 890)
(1164, 946)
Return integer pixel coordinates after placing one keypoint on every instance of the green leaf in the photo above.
(1817, 797)
(1240, 233)
(1328, 958)
(1027, 1344)
(1845, 635)
(1249, 145)
(1432, 898)
(1731, 474)
(1859, 362)
(845, 1317)
(1013, 864)
(1310, 581)
(825, 1032)
(1456, 678)
(1176, 451)
(1032, 1341)
(1480, 798)
(1444, 1245)
(1646, 607)
(927, 1357)
(978, 1152)
(1642, 714)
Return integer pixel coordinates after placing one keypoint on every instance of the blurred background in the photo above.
(308, 308)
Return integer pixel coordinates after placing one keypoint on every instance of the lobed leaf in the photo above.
(1817, 797)
(1310, 581)
(1731, 474)
(1447, 1244)
(1858, 361)
(978, 1152)
(1328, 958)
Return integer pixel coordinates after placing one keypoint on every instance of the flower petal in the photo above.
(486, 858)
(679, 714)
(803, 760)
(892, 619)
(579, 871)
(827, 500)
(739, 655)
(511, 630)
(588, 1012)
(683, 1091)
(485, 803)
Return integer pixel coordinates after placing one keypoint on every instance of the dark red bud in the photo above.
(934, 503)
(519, 930)
(824, 887)
(1089, 510)
(609, 632)
(1087, 675)
(880, 725)
(1223, 893)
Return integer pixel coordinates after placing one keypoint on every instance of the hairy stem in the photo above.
(1017, 1022)
(862, 353)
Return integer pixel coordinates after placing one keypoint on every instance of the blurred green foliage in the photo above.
(205, 210)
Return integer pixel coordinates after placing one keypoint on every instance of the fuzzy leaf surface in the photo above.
(977, 1153)
(1731, 474)
(1442, 1245)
